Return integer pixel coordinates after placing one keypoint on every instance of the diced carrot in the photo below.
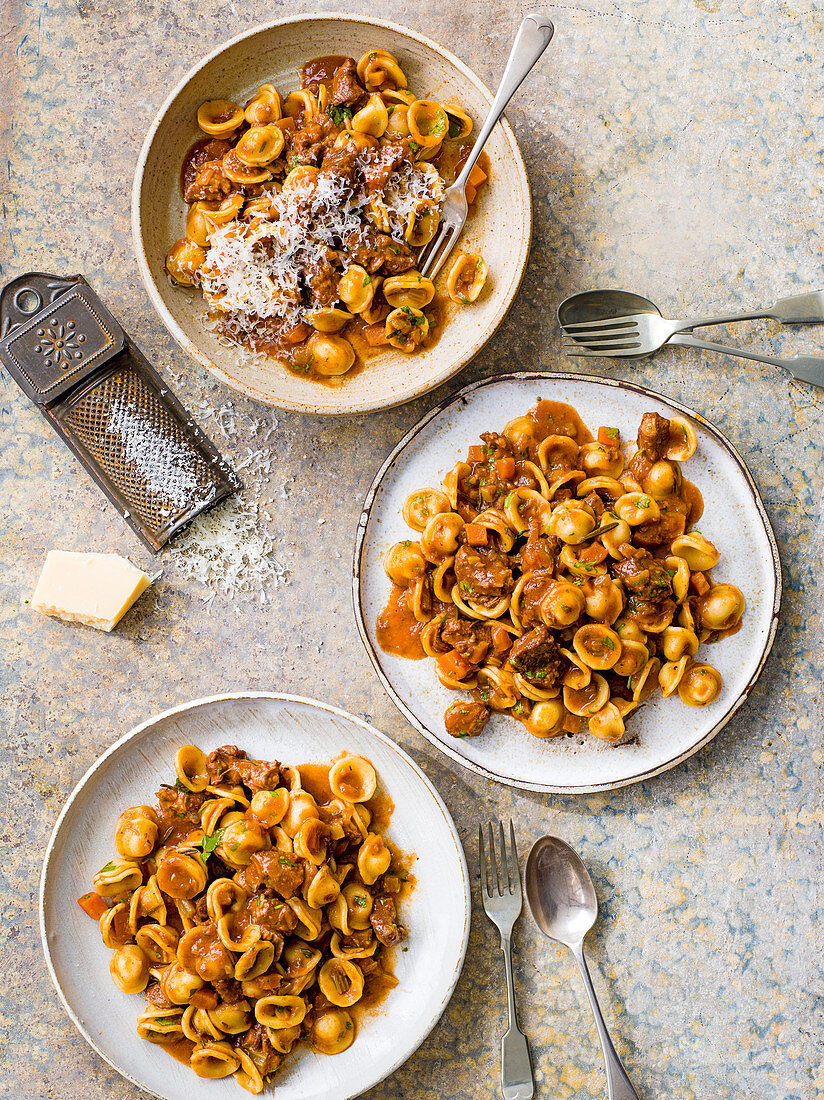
(595, 553)
(505, 467)
(477, 177)
(453, 666)
(610, 437)
(501, 640)
(699, 584)
(476, 454)
(93, 905)
(476, 534)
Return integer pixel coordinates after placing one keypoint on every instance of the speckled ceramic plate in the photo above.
(293, 730)
(500, 230)
(668, 731)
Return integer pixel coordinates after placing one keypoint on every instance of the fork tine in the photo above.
(482, 860)
(600, 348)
(506, 874)
(513, 858)
(631, 339)
(585, 354)
(434, 255)
(630, 332)
(630, 319)
(496, 878)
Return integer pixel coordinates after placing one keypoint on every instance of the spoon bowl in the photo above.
(560, 891)
(603, 305)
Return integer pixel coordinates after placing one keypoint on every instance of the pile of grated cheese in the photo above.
(230, 550)
(255, 267)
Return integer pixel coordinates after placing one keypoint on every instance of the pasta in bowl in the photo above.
(254, 906)
(291, 194)
(308, 213)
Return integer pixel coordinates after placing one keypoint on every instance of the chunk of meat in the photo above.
(538, 553)
(221, 764)
(306, 145)
(208, 150)
(178, 808)
(228, 990)
(229, 764)
(257, 1045)
(374, 250)
(653, 434)
(278, 871)
(483, 573)
(346, 88)
(471, 640)
(643, 576)
(465, 719)
(384, 919)
(211, 184)
(379, 166)
(537, 657)
(321, 278)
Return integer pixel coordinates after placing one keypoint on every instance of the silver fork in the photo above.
(503, 901)
(636, 336)
(533, 37)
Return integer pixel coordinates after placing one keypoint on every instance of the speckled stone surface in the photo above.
(674, 147)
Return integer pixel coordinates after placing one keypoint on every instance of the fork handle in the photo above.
(534, 35)
(808, 368)
(516, 1064)
(799, 309)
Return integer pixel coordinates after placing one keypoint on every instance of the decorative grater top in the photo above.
(99, 392)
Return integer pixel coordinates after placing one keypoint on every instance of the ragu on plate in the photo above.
(255, 906)
(559, 579)
(308, 214)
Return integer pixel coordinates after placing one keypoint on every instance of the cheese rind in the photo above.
(93, 589)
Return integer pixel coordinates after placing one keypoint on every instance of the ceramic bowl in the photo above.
(500, 231)
(667, 731)
(267, 726)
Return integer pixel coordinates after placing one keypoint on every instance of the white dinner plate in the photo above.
(668, 731)
(270, 727)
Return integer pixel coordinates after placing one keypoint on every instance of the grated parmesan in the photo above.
(256, 267)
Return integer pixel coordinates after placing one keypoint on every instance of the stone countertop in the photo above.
(673, 147)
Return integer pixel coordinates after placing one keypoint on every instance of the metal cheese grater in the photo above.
(106, 402)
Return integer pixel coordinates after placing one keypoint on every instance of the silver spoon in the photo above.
(616, 324)
(563, 902)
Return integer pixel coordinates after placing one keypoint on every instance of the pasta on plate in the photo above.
(255, 906)
(558, 580)
(308, 212)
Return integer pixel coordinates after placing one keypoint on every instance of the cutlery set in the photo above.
(616, 324)
(563, 903)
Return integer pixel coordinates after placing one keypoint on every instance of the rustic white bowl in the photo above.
(271, 727)
(272, 53)
(668, 731)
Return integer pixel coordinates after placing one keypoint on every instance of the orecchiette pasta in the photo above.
(559, 579)
(307, 215)
(255, 905)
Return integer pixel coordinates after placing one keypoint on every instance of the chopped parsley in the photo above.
(339, 114)
(414, 147)
(211, 842)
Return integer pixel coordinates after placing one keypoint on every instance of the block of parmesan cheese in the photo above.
(94, 589)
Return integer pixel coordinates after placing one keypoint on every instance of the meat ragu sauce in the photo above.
(560, 580)
(307, 216)
(254, 906)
